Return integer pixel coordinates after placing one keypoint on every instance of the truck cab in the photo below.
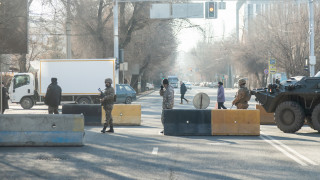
(22, 89)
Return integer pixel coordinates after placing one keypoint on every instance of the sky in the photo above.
(215, 28)
(226, 22)
(188, 38)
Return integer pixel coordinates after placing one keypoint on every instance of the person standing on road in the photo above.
(4, 98)
(167, 92)
(183, 90)
(107, 102)
(221, 98)
(242, 96)
(53, 96)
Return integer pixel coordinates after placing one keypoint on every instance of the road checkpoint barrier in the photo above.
(235, 122)
(41, 130)
(91, 112)
(94, 114)
(180, 122)
(187, 122)
(265, 118)
(124, 114)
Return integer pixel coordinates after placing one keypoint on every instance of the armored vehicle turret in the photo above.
(292, 102)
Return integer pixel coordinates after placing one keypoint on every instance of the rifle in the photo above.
(102, 95)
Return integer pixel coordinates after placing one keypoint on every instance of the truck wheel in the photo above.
(128, 100)
(309, 121)
(83, 100)
(26, 103)
(316, 118)
(289, 116)
(147, 89)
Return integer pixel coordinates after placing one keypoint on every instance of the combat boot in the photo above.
(110, 130)
(104, 128)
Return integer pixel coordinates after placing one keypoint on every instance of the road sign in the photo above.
(201, 101)
(272, 66)
(266, 71)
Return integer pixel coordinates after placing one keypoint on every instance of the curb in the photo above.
(144, 94)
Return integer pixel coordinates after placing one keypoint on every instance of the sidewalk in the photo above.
(145, 93)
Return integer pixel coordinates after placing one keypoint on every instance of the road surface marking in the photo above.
(302, 160)
(293, 151)
(219, 143)
(155, 150)
(284, 152)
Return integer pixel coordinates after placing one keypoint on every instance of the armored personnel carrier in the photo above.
(292, 102)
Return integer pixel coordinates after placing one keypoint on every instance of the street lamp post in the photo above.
(312, 57)
(116, 36)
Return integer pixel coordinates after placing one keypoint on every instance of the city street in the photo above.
(142, 152)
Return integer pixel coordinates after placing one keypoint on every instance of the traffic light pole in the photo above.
(312, 58)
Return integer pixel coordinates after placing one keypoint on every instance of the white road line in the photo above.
(284, 152)
(155, 150)
(293, 151)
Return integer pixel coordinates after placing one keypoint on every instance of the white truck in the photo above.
(79, 80)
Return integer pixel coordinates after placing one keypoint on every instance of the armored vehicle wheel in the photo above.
(309, 121)
(289, 116)
(316, 117)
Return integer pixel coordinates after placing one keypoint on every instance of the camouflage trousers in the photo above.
(109, 120)
(242, 106)
(53, 109)
(162, 118)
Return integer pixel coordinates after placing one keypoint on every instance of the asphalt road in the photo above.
(143, 153)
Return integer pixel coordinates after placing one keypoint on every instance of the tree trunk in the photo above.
(23, 63)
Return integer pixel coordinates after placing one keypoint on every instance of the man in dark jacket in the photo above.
(53, 97)
(183, 90)
(4, 98)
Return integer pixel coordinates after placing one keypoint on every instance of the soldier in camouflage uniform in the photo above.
(242, 96)
(107, 102)
(168, 97)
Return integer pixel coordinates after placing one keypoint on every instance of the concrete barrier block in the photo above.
(187, 122)
(235, 122)
(91, 112)
(124, 114)
(265, 118)
(41, 130)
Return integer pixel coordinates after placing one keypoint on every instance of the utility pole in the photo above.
(116, 37)
(312, 58)
(68, 30)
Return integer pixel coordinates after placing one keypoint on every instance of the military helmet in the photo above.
(108, 80)
(241, 81)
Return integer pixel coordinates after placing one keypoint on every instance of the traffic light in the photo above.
(211, 8)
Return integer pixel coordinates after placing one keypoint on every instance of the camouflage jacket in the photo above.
(168, 97)
(242, 97)
(108, 99)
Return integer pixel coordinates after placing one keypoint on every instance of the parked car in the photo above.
(125, 94)
(213, 85)
(292, 80)
(235, 85)
(188, 85)
(149, 86)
